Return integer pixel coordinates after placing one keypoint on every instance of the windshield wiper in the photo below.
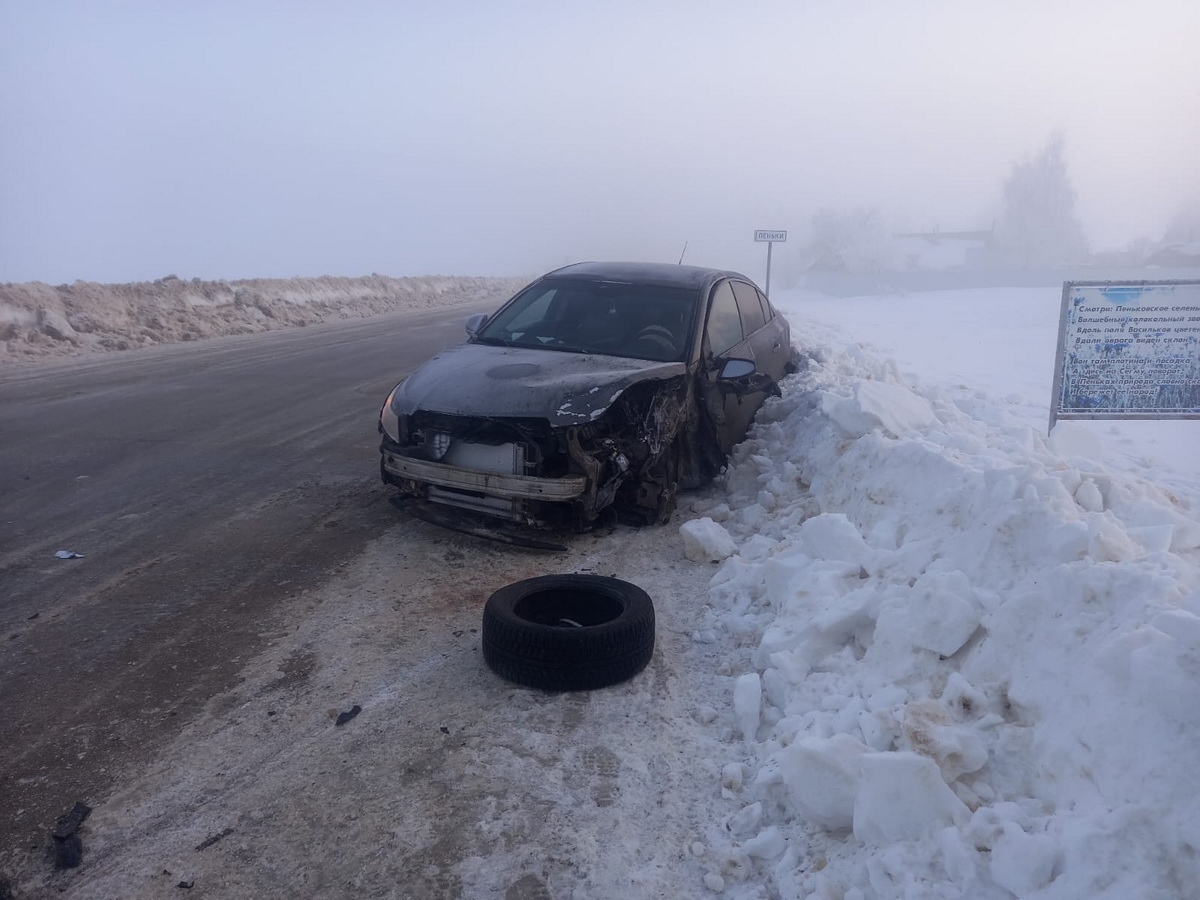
(496, 342)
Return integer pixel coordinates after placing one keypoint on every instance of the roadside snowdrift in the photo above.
(39, 321)
(969, 662)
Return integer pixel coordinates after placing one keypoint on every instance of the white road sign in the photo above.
(770, 236)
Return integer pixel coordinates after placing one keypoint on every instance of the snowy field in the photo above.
(965, 658)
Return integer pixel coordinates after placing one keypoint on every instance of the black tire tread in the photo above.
(567, 658)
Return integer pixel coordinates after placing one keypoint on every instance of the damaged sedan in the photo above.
(599, 389)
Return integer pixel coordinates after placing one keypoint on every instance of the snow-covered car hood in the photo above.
(484, 380)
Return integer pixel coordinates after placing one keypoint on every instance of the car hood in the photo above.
(518, 382)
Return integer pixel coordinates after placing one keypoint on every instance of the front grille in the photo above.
(545, 454)
(482, 430)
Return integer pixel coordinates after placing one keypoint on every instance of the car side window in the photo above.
(748, 304)
(768, 312)
(724, 321)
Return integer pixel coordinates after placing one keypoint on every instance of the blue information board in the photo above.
(1128, 350)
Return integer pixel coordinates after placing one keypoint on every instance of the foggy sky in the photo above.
(231, 140)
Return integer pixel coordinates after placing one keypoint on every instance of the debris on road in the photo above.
(68, 847)
(345, 717)
(68, 554)
(209, 841)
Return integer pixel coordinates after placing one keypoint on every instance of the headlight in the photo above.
(389, 422)
(438, 443)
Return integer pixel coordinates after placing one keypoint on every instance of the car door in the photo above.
(729, 409)
(764, 333)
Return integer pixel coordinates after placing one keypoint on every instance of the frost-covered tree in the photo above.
(1038, 226)
(1184, 226)
(855, 240)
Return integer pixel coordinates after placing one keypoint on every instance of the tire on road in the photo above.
(568, 632)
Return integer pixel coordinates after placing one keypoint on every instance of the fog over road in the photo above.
(206, 484)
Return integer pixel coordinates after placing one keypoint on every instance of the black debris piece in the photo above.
(69, 824)
(212, 839)
(444, 730)
(68, 847)
(68, 852)
(186, 885)
(29, 619)
(345, 717)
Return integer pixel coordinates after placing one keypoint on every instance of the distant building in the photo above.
(936, 251)
(1174, 253)
(859, 248)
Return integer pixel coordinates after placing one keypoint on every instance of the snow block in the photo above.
(706, 541)
(1108, 542)
(747, 704)
(901, 797)
(1089, 497)
(55, 325)
(767, 844)
(929, 729)
(832, 536)
(1022, 863)
(822, 775)
(879, 404)
(944, 612)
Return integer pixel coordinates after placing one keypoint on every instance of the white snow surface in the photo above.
(40, 321)
(978, 648)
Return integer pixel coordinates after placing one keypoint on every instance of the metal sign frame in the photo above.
(765, 235)
(1191, 338)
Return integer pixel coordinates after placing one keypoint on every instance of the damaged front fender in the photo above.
(632, 454)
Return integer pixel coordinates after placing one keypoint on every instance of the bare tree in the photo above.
(855, 240)
(1184, 226)
(1038, 226)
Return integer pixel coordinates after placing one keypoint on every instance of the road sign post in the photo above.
(770, 237)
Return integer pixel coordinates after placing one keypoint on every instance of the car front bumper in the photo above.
(491, 484)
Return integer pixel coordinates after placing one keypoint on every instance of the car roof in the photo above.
(663, 274)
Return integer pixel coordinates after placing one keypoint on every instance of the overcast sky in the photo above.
(240, 139)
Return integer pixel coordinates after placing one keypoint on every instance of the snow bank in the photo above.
(704, 539)
(979, 658)
(38, 321)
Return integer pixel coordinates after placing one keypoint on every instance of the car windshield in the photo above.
(612, 318)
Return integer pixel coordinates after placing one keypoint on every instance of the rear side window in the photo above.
(768, 313)
(724, 321)
(749, 306)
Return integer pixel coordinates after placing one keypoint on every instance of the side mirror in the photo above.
(735, 369)
(475, 323)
